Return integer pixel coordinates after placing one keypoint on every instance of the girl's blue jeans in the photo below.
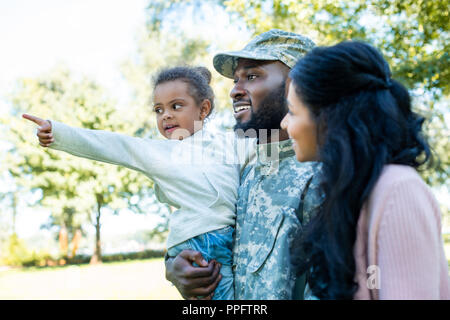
(218, 245)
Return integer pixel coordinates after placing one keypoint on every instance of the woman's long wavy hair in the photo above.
(364, 121)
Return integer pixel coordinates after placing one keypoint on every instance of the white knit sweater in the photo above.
(198, 175)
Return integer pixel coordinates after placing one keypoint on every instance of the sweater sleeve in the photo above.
(409, 243)
(134, 153)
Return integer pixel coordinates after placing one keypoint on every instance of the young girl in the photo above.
(195, 171)
(378, 233)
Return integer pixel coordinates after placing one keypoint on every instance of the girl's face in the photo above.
(301, 127)
(176, 111)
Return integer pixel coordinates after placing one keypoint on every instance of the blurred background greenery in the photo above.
(78, 195)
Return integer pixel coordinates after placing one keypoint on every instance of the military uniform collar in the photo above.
(275, 151)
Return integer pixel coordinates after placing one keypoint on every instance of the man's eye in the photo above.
(251, 76)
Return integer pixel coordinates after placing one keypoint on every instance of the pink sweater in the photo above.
(399, 249)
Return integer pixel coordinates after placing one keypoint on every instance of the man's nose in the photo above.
(238, 91)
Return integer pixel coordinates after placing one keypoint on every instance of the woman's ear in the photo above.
(205, 109)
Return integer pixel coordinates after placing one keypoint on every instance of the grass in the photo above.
(130, 280)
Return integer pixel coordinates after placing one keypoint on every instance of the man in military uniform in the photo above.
(276, 193)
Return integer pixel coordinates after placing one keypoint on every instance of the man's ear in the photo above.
(205, 109)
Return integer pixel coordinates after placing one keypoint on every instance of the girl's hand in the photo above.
(44, 132)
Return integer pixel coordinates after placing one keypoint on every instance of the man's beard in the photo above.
(269, 114)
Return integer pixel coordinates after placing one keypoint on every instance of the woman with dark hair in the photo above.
(377, 234)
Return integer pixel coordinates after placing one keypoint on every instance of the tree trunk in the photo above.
(14, 212)
(63, 241)
(97, 256)
(75, 243)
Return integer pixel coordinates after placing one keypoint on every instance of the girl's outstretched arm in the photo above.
(139, 154)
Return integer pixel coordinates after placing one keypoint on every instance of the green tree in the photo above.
(10, 198)
(163, 49)
(76, 190)
(175, 34)
(8, 214)
(157, 50)
(14, 251)
(413, 36)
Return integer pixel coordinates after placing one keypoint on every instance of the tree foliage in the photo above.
(412, 34)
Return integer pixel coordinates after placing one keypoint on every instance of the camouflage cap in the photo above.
(273, 45)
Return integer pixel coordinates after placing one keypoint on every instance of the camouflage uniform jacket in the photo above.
(267, 221)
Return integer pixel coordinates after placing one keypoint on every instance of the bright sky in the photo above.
(91, 36)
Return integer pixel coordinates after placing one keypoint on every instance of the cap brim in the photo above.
(226, 63)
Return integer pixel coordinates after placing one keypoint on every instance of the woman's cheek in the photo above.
(296, 149)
